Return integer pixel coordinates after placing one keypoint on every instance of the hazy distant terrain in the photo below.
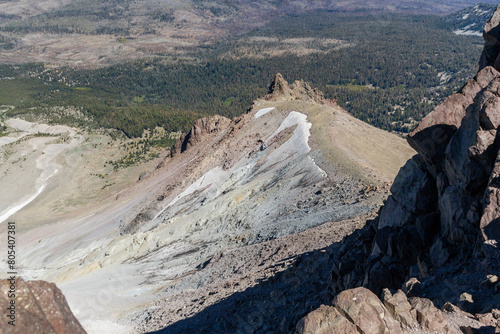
(415, 61)
(136, 65)
(94, 33)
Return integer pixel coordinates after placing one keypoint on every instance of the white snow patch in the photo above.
(479, 11)
(214, 175)
(298, 144)
(470, 26)
(444, 77)
(300, 134)
(466, 16)
(262, 112)
(467, 32)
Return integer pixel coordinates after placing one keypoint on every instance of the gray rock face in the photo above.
(490, 221)
(413, 192)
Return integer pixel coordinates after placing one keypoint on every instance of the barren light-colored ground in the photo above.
(65, 162)
(294, 167)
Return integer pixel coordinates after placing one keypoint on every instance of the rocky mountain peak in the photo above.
(280, 90)
(278, 87)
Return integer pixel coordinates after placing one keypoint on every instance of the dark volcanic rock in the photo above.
(40, 307)
(445, 204)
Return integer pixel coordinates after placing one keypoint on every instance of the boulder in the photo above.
(428, 316)
(40, 308)
(365, 309)
(400, 308)
(325, 320)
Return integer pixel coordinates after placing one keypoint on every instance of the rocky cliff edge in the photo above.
(437, 236)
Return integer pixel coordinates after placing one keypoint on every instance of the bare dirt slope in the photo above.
(68, 165)
(293, 162)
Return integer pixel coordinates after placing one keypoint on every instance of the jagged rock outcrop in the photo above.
(491, 34)
(438, 233)
(40, 307)
(359, 310)
(280, 90)
(202, 128)
(445, 204)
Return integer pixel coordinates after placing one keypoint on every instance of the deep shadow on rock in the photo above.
(274, 305)
(277, 304)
